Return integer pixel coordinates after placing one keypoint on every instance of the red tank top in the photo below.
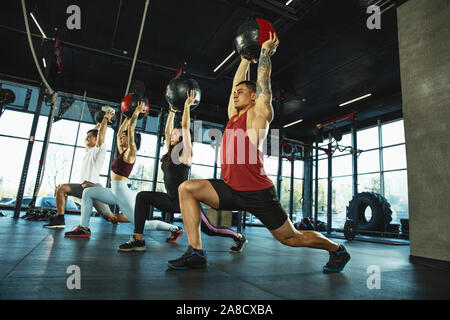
(120, 167)
(241, 162)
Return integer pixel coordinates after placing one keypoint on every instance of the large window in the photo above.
(10, 170)
(342, 169)
(394, 174)
(66, 147)
(381, 168)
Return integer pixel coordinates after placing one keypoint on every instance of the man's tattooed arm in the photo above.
(263, 85)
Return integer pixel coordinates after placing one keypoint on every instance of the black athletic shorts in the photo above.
(263, 204)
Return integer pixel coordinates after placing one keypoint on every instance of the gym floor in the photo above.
(35, 261)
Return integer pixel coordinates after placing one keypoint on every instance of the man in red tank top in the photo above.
(245, 186)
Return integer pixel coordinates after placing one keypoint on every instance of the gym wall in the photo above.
(424, 33)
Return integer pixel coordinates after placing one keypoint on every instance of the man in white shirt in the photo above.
(90, 173)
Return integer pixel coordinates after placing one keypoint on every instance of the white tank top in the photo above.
(92, 164)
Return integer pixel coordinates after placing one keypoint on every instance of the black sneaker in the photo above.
(338, 260)
(132, 245)
(57, 223)
(190, 259)
(78, 232)
(239, 244)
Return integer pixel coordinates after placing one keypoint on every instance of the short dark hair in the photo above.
(251, 85)
(94, 132)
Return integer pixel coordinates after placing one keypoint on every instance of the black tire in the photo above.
(385, 207)
(381, 211)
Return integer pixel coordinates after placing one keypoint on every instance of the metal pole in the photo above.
(316, 188)
(45, 144)
(291, 194)
(355, 158)
(330, 190)
(279, 178)
(216, 156)
(26, 164)
(307, 183)
(280, 152)
(380, 143)
(144, 15)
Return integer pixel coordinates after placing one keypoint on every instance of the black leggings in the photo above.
(164, 203)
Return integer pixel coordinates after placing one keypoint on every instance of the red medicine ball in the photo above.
(129, 104)
(251, 35)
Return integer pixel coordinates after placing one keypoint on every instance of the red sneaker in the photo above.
(78, 232)
(175, 235)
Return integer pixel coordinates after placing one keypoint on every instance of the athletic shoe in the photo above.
(338, 259)
(239, 244)
(132, 245)
(175, 235)
(190, 259)
(57, 223)
(79, 232)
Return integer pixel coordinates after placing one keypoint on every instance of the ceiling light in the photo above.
(45, 64)
(348, 102)
(292, 123)
(226, 59)
(287, 3)
(35, 21)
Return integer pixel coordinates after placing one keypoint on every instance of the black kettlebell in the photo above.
(176, 93)
(99, 114)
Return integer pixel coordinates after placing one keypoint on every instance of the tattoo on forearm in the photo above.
(264, 69)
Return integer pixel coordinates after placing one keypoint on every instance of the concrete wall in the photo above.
(424, 44)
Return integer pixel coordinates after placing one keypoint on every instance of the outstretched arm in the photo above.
(169, 126)
(186, 156)
(109, 114)
(122, 128)
(263, 106)
(238, 77)
(130, 154)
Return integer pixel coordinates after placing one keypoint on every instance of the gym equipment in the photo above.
(350, 231)
(176, 92)
(99, 114)
(336, 134)
(308, 224)
(381, 211)
(251, 35)
(130, 102)
(6, 97)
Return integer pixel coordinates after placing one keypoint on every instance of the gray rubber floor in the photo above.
(34, 263)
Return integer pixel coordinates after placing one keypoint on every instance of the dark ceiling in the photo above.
(327, 55)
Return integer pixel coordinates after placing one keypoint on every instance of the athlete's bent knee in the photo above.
(187, 188)
(62, 189)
